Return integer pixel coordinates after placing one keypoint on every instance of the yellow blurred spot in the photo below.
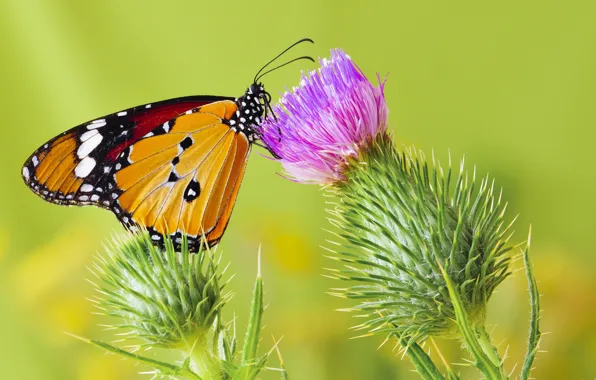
(50, 282)
(43, 271)
(292, 253)
(70, 313)
(3, 244)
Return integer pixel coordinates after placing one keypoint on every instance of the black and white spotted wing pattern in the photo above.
(74, 168)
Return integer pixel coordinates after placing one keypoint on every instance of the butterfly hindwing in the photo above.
(232, 187)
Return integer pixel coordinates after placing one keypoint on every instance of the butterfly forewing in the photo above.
(70, 168)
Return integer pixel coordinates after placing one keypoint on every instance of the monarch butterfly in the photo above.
(173, 167)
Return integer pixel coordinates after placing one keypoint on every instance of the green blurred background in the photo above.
(510, 85)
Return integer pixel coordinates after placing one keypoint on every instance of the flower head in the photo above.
(326, 120)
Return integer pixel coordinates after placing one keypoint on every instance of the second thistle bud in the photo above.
(401, 220)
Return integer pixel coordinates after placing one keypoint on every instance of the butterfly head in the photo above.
(263, 98)
(254, 106)
(251, 107)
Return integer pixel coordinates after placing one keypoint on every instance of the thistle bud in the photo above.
(167, 298)
(402, 221)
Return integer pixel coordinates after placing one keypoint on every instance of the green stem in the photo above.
(423, 363)
(489, 350)
(475, 337)
(202, 361)
(534, 338)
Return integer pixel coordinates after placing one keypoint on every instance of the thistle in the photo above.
(160, 298)
(169, 299)
(423, 250)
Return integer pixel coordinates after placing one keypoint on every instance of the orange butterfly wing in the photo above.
(185, 182)
(232, 188)
(52, 170)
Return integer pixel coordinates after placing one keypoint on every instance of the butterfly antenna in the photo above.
(284, 64)
(282, 53)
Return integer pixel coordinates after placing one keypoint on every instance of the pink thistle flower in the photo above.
(325, 121)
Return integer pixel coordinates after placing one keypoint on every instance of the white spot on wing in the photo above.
(87, 188)
(95, 197)
(148, 106)
(35, 161)
(26, 173)
(85, 167)
(96, 124)
(88, 146)
(87, 135)
(123, 113)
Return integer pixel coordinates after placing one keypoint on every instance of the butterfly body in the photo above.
(173, 167)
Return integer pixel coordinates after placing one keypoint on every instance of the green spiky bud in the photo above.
(173, 300)
(402, 219)
(168, 299)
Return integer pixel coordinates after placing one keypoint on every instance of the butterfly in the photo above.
(172, 167)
